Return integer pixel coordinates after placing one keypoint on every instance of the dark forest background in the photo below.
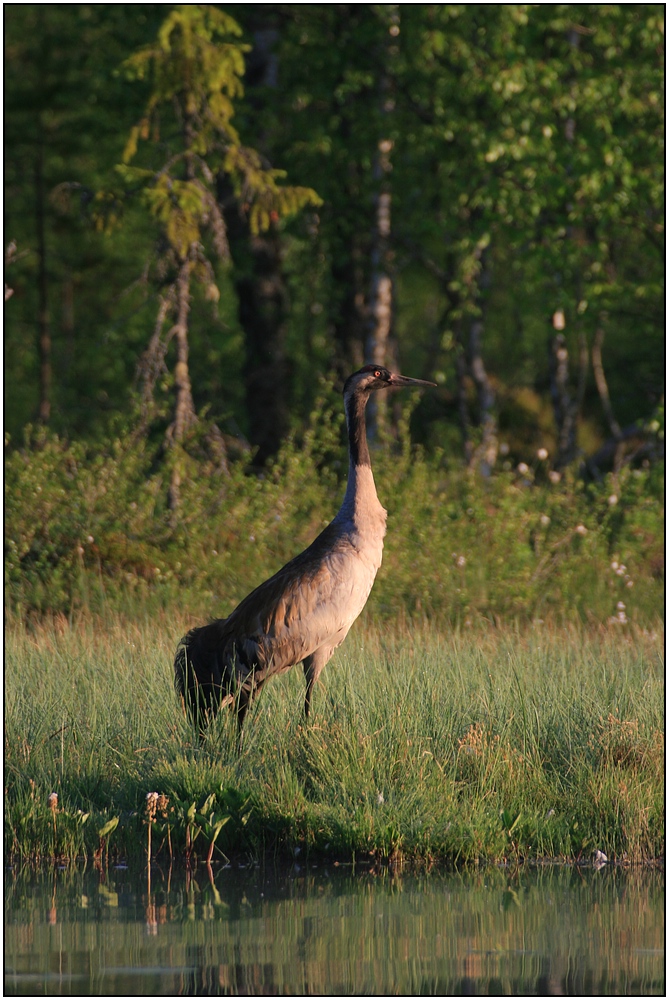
(214, 214)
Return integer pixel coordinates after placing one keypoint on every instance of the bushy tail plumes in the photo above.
(200, 677)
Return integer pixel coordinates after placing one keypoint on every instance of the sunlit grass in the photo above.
(481, 743)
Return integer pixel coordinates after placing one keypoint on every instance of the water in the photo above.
(329, 931)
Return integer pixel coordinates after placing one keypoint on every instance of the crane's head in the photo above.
(373, 377)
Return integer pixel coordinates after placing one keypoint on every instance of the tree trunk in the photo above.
(485, 455)
(350, 317)
(381, 297)
(603, 390)
(469, 361)
(463, 409)
(381, 292)
(43, 328)
(565, 408)
(262, 294)
(68, 324)
(152, 363)
(563, 405)
(184, 409)
(263, 311)
(601, 383)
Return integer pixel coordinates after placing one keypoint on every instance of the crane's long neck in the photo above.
(360, 498)
(358, 452)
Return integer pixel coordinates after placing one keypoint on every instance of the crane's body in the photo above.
(303, 612)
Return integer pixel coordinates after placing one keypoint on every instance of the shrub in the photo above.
(87, 528)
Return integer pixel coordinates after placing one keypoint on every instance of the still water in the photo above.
(325, 930)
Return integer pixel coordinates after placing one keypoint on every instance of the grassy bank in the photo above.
(479, 742)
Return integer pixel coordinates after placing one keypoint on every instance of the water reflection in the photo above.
(328, 931)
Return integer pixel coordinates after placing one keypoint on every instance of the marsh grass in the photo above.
(477, 744)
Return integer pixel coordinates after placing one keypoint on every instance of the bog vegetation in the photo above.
(212, 218)
(501, 697)
(90, 528)
(482, 744)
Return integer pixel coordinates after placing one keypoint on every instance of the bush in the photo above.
(90, 528)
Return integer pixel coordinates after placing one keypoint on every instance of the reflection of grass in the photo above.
(483, 930)
(490, 743)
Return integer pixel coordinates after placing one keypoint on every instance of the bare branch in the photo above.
(602, 385)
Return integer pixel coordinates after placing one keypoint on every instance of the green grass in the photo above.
(480, 743)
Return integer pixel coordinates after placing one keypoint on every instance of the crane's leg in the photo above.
(245, 696)
(313, 666)
(243, 701)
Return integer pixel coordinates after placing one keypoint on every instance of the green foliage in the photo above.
(66, 107)
(191, 44)
(531, 135)
(196, 70)
(88, 528)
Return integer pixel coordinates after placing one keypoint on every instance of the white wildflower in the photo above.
(542, 454)
(581, 529)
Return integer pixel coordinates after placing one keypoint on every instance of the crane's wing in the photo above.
(313, 600)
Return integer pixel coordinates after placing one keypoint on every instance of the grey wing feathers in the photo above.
(277, 625)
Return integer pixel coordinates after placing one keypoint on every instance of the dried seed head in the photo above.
(52, 801)
(151, 805)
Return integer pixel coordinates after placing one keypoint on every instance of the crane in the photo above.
(303, 612)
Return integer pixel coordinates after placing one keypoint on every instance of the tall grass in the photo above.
(471, 743)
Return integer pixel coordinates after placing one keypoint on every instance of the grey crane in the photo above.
(303, 612)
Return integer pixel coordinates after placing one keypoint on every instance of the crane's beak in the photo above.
(402, 381)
